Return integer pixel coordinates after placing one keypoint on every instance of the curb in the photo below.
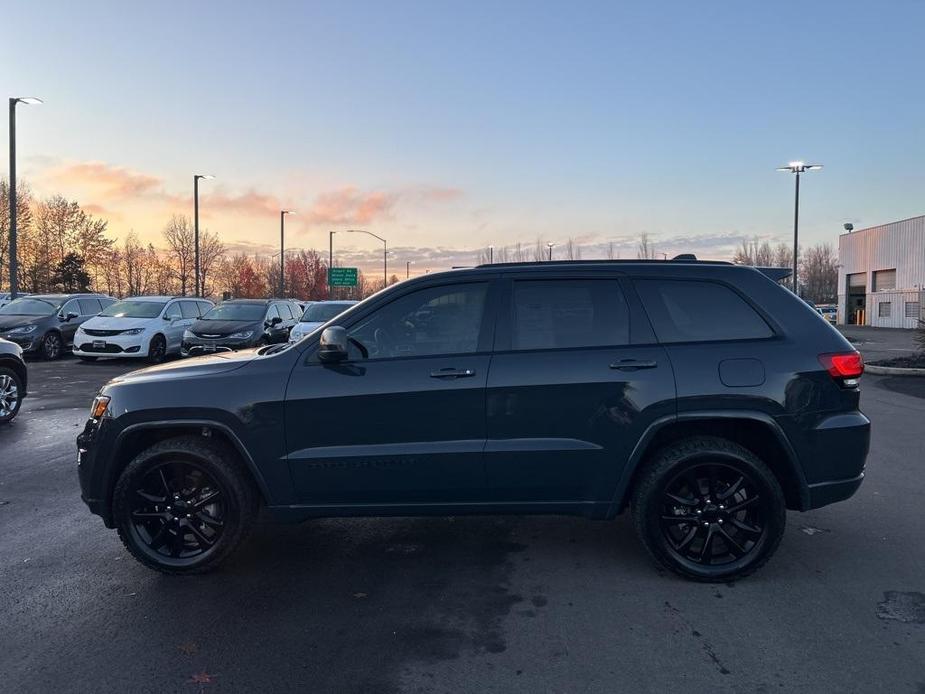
(892, 371)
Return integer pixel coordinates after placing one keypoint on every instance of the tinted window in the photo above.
(231, 311)
(106, 301)
(272, 313)
(323, 312)
(693, 311)
(89, 307)
(204, 307)
(439, 320)
(189, 309)
(173, 311)
(70, 307)
(284, 311)
(555, 314)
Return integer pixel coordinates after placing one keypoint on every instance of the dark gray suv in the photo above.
(45, 323)
(704, 396)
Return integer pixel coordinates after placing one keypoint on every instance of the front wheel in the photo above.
(183, 505)
(52, 346)
(10, 394)
(157, 350)
(709, 509)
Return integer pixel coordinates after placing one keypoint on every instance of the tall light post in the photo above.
(385, 252)
(14, 266)
(196, 177)
(282, 251)
(549, 246)
(408, 268)
(491, 255)
(796, 168)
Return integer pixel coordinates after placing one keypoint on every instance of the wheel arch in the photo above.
(137, 437)
(19, 369)
(755, 431)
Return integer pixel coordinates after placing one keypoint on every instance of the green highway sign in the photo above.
(342, 276)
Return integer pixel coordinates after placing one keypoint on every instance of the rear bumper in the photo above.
(825, 493)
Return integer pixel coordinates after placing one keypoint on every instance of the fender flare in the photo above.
(172, 424)
(621, 494)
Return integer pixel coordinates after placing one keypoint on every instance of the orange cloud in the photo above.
(108, 182)
(351, 206)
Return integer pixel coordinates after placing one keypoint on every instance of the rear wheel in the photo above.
(709, 509)
(52, 345)
(183, 505)
(10, 394)
(157, 349)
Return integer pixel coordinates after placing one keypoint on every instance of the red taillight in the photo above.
(843, 364)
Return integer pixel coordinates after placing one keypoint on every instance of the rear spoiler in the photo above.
(775, 273)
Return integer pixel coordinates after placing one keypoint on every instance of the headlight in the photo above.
(133, 331)
(243, 335)
(23, 330)
(187, 335)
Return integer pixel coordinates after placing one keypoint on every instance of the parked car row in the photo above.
(154, 327)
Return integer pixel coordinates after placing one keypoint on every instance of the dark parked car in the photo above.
(45, 323)
(241, 323)
(13, 380)
(704, 396)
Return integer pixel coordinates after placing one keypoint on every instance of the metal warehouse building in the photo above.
(881, 275)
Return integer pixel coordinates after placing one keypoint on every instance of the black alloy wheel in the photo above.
(712, 514)
(709, 509)
(157, 350)
(52, 346)
(184, 504)
(177, 512)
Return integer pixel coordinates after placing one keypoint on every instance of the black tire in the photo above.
(157, 349)
(52, 346)
(221, 509)
(708, 509)
(10, 394)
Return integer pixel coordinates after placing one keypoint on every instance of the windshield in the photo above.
(134, 309)
(248, 312)
(322, 313)
(29, 307)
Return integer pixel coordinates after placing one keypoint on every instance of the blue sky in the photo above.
(456, 125)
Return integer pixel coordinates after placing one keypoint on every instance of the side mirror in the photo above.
(333, 344)
(276, 320)
(68, 316)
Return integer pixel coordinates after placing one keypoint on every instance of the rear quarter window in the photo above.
(699, 311)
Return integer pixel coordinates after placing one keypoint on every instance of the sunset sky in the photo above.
(446, 127)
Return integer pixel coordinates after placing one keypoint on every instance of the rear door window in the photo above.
(89, 307)
(699, 311)
(558, 314)
(189, 309)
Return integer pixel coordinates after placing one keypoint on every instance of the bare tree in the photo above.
(819, 273)
(572, 250)
(180, 237)
(136, 267)
(645, 249)
(211, 250)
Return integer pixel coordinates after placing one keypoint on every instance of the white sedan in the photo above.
(316, 315)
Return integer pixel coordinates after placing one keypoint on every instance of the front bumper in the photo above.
(29, 342)
(193, 346)
(93, 442)
(110, 346)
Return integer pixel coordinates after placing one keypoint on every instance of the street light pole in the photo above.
(491, 255)
(330, 260)
(282, 251)
(14, 264)
(196, 178)
(549, 245)
(408, 268)
(797, 168)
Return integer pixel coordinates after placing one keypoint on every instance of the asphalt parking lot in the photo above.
(454, 604)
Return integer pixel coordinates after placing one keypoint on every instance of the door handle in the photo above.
(452, 373)
(634, 364)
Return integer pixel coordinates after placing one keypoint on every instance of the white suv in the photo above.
(148, 327)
